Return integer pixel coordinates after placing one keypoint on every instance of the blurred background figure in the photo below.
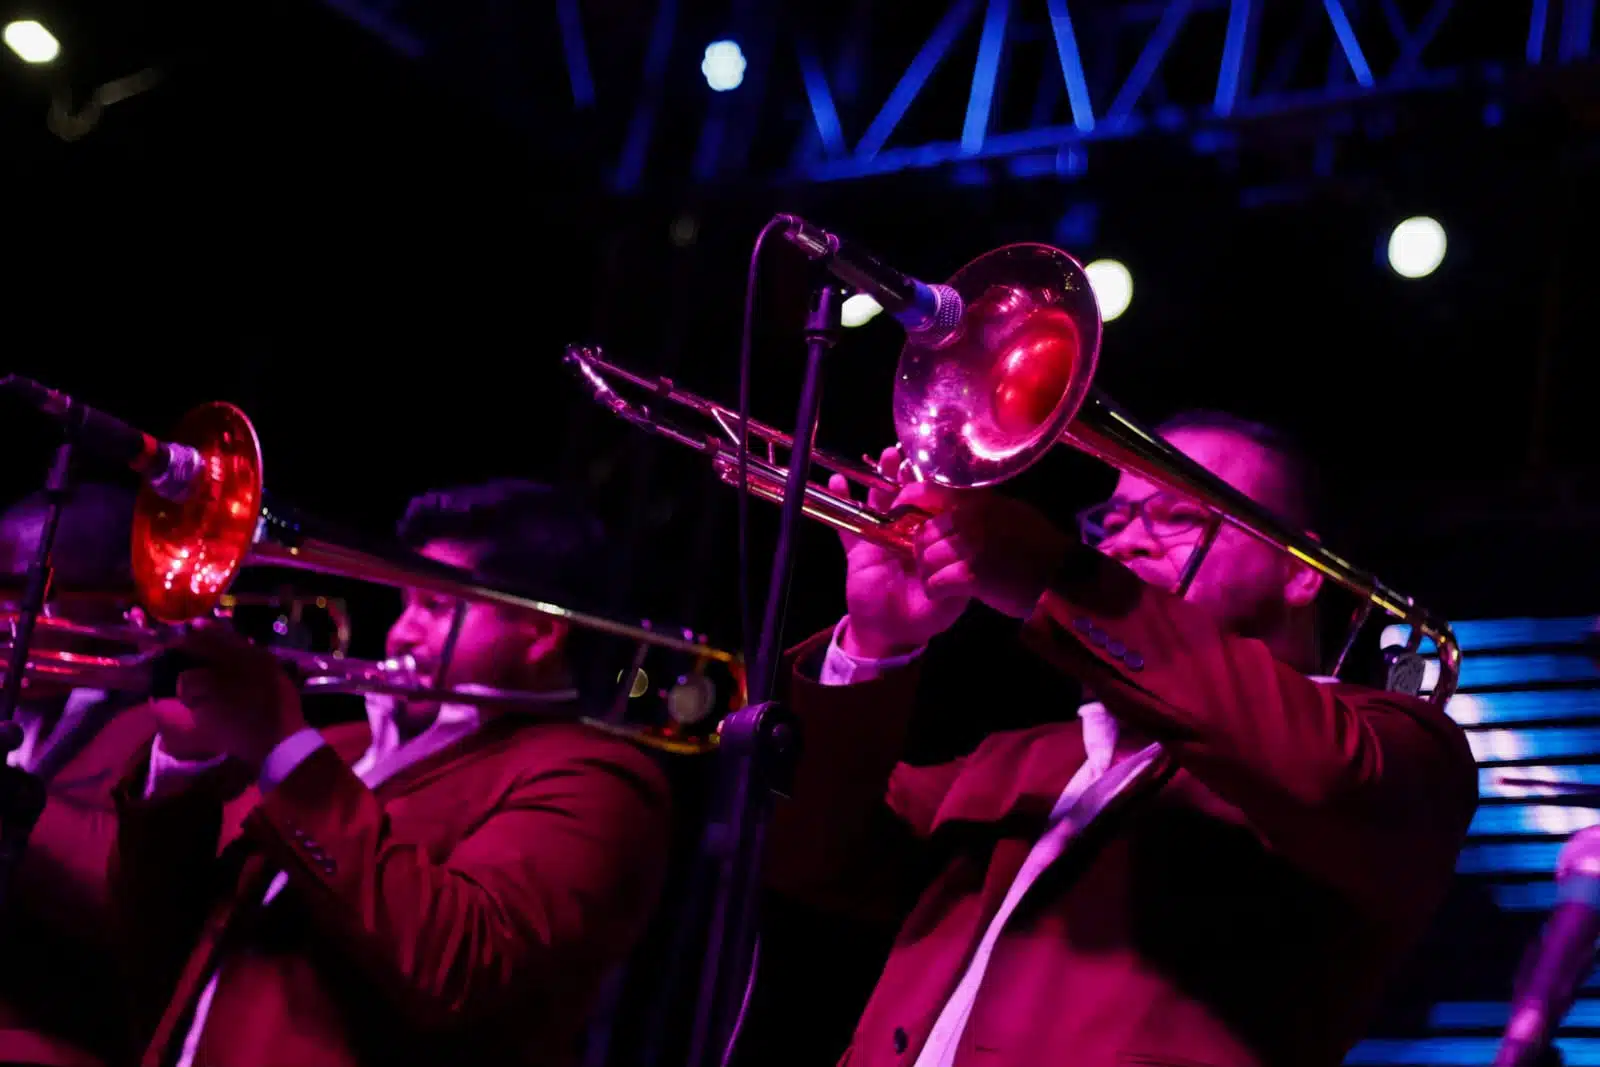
(61, 998)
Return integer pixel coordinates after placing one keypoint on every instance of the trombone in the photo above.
(333, 672)
(977, 405)
(61, 651)
(187, 553)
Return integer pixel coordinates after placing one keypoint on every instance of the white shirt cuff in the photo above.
(289, 754)
(169, 774)
(841, 668)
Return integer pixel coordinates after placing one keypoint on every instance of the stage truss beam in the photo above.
(1114, 73)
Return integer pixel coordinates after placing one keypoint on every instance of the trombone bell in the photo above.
(978, 407)
(187, 553)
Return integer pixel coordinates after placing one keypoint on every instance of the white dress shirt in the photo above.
(1101, 778)
(385, 757)
(1096, 783)
(36, 743)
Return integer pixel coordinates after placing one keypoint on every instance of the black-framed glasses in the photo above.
(1166, 517)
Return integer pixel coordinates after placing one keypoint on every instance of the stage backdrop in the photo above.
(1530, 701)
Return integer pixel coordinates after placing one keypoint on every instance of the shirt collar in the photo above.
(454, 720)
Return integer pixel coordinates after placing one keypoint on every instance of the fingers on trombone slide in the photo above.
(880, 492)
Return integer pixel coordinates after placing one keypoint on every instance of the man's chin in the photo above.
(412, 717)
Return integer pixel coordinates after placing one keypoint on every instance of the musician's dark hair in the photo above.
(525, 536)
(93, 539)
(1298, 496)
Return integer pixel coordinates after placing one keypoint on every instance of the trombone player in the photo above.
(444, 883)
(1218, 861)
(59, 1004)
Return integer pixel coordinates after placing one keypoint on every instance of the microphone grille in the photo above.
(944, 327)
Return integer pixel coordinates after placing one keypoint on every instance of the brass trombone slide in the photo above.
(61, 656)
(767, 473)
(977, 406)
(145, 642)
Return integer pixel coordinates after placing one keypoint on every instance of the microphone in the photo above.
(1562, 957)
(930, 313)
(170, 469)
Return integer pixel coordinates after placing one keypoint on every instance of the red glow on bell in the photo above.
(1034, 371)
(186, 553)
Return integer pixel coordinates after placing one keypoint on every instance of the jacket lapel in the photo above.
(1015, 774)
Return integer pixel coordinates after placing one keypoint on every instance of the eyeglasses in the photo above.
(1166, 516)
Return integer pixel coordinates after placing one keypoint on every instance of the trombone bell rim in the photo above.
(179, 575)
(977, 407)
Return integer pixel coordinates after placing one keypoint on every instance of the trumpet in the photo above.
(979, 405)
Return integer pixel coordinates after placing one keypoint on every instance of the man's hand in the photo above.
(183, 736)
(891, 613)
(238, 703)
(985, 546)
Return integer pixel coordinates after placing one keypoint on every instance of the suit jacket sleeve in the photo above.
(1370, 792)
(62, 877)
(564, 870)
(836, 844)
(162, 875)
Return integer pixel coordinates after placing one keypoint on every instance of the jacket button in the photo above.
(1133, 661)
(1097, 637)
(1082, 624)
(1116, 649)
(900, 1040)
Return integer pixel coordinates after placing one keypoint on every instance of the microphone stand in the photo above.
(22, 795)
(758, 744)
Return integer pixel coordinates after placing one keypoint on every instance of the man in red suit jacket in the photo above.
(444, 884)
(1216, 864)
(60, 1001)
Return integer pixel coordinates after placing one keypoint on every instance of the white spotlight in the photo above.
(858, 310)
(31, 41)
(1112, 286)
(1416, 247)
(723, 66)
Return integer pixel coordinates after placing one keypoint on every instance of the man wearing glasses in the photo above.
(1216, 864)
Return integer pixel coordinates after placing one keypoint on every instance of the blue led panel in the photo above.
(1530, 702)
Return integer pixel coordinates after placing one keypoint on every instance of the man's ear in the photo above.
(1303, 583)
(1302, 586)
(547, 635)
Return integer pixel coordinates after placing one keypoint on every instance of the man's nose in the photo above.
(405, 635)
(1131, 542)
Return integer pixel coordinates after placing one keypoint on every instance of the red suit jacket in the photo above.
(1241, 907)
(464, 912)
(60, 996)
